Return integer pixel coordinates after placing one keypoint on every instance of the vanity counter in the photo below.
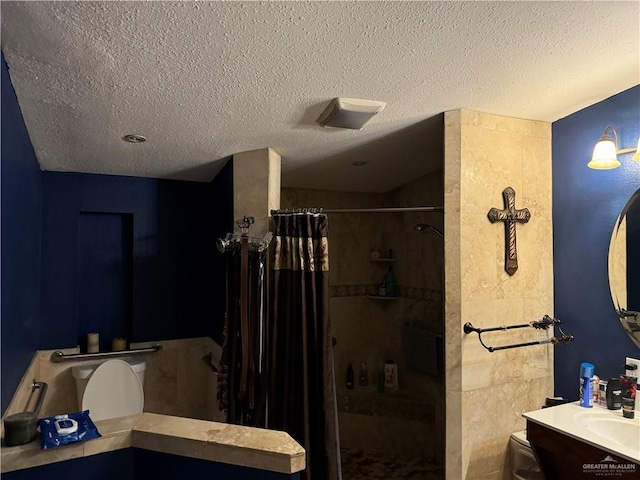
(599, 427)
(218, 442)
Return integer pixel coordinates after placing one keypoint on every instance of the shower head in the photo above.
(426, 228)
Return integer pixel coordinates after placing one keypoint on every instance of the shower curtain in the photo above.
(302, 398)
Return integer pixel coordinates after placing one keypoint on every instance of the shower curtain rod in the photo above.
(359, 210)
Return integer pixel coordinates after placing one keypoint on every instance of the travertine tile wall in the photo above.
(177, 381)
(423, 253)
(409, 421)
(487, 392)
(256, 187)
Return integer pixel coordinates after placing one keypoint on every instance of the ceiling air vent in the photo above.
(352, 113)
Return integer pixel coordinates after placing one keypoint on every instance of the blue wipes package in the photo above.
(64, 429)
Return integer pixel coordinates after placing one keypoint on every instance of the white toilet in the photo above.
(523, 463)
(110, 389)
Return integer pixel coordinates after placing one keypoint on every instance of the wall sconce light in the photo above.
(606, 151)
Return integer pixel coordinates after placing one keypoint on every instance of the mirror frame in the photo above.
(630, 320)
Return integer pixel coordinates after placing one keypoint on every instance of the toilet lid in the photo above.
(114, 390)
(521, 438)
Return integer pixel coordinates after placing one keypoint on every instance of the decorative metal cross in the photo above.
(510, 216)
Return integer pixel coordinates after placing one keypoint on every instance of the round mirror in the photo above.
(624, 267)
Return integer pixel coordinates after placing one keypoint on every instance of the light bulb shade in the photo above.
(636, 156)
(604, 154)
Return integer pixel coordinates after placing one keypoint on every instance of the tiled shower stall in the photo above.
(395, 433)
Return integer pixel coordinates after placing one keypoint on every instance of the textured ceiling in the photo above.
(205, 80)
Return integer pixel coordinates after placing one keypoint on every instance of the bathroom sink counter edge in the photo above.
(213, 441)
(593, 426)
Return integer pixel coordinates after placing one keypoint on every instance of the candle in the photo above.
(119, 343)
(93, 342)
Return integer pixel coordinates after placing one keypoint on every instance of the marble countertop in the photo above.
(220, 442)
(620, 438)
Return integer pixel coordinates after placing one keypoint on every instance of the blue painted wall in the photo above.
(173, 254)
(177, 279)
(134, 463)
(105, 276)
(150, 464)
(106, 466)
(222, 199)
(586, 204)
(21, 201)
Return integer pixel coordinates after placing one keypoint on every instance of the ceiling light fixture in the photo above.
(133, 138)
(352, 113)
(606, 151)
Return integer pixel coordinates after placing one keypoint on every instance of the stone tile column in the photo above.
(256, 187)
(488, 392)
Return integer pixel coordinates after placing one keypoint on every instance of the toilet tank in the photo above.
(83, 371)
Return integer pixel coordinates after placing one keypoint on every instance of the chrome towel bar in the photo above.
(58, 356)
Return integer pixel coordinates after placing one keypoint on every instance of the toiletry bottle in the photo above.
(614, 394)
(629, 387)
(363, 379)
(628, 396)
(350, 377)
(382, 289)
(602, 393)
(595, 389)
(631, 370)
(389, 370)
(586, 394)
(390, 283)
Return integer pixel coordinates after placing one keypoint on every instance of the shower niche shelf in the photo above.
(384, 261)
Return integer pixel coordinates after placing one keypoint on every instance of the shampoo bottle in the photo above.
(363, 377)
(389, 371)
(586, 389)
(390, 283)
(350, 377)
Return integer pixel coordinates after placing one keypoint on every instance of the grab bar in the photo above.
(42, 391)
(58, 356)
